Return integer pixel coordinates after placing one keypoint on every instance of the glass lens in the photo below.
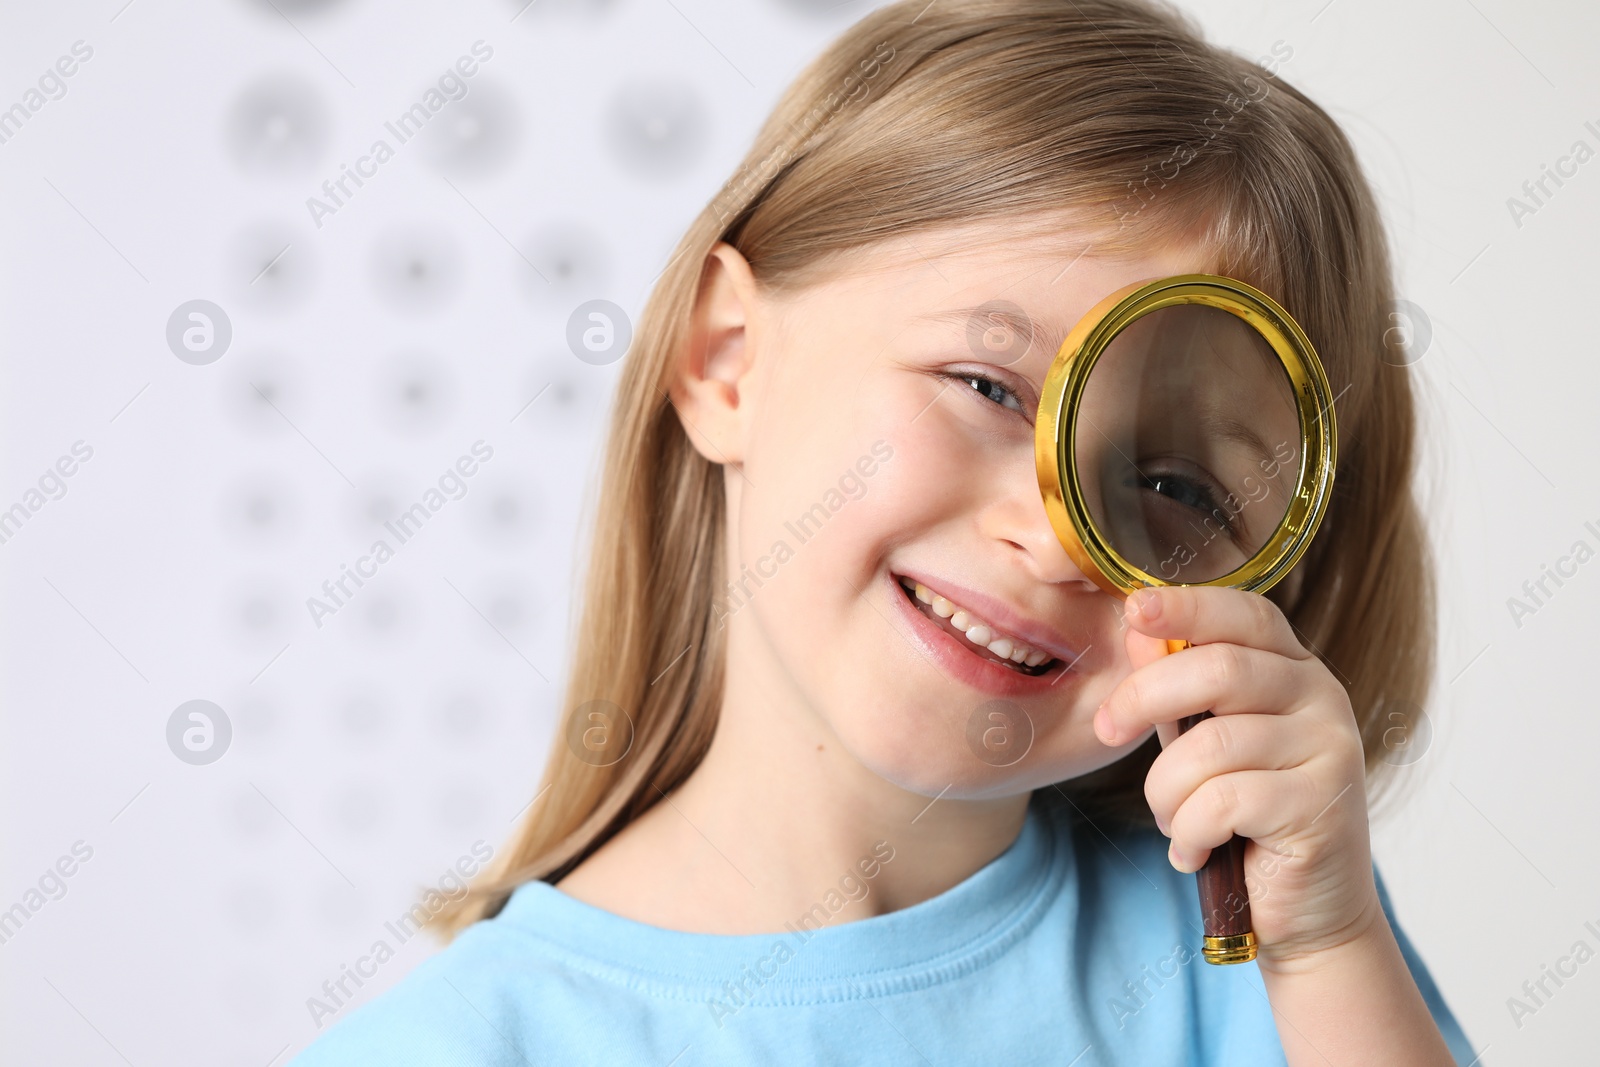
(1188, 443)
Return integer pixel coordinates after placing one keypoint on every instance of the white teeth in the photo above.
(979, 632)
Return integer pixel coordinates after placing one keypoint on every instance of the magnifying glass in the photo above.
(1185, 436)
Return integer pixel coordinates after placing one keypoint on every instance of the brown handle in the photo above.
(1224, 899)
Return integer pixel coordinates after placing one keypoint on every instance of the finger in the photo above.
(1218, 746)
(1142, 648)
(1254, 804)
(1206, 614)
(1223, 679)
(1166, 733)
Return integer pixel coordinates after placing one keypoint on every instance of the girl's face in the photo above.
(884, 438)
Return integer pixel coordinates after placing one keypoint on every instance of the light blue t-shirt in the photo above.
(1065, 949)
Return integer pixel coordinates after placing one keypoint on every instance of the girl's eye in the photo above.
(1187, 492)
(991, 390)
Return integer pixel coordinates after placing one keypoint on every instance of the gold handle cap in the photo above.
(1234, 948)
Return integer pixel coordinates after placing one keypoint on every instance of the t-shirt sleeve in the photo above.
(455, 1009)
(1443, 1017)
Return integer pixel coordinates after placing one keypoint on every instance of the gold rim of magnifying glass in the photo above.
(1055, 428)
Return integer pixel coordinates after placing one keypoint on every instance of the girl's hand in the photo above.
(1280, 762)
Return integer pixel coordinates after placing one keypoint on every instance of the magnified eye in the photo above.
(1193, 493)
(1190, 494)
(1168, 515)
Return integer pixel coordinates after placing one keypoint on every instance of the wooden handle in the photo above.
(1224, 900)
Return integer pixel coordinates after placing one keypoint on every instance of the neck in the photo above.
(779, 818)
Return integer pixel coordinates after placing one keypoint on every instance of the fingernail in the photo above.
(1172, 858)
(1146, 604)
(1102, 726)
(1161, 824)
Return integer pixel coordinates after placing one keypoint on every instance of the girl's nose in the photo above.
(1016, 517)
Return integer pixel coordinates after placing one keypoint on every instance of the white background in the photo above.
(369, 754)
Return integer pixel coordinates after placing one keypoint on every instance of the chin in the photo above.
(947, 754)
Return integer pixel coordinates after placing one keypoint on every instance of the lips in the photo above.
(952, 623)
(962, 661)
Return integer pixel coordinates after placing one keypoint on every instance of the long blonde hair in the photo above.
(921, 116)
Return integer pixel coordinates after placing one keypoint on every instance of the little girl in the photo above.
(857, 766)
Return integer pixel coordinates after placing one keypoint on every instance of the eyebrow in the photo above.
(1023, 324)
(1228, 428)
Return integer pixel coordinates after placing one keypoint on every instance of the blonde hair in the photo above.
(922, 116)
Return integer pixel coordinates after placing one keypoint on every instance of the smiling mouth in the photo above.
(977, 636)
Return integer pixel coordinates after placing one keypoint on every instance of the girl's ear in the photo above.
(713, 388)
